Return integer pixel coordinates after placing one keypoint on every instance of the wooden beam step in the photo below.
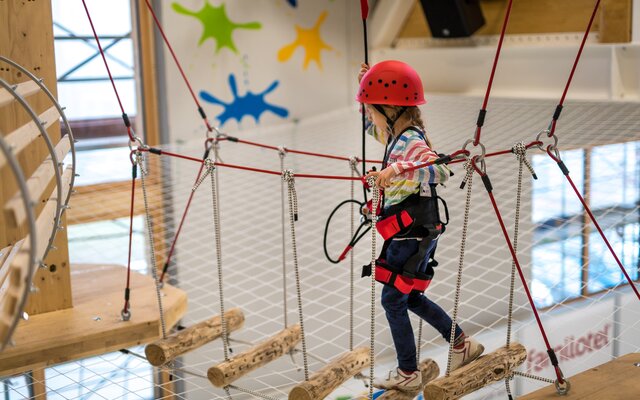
(227, 372)
(162, 351)
(24, 89)
(487, 369)
(332, 375)
(8, 253)
(37, 184)
(22, 137)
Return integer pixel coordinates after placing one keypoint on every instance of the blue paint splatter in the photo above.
(250, 104)
(293, 3)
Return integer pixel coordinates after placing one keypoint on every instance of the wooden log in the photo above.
(429, 370)
(332, 375)
(492, 367)
(226, 372)
(162, 351)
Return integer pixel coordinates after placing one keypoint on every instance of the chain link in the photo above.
(287, 176)
(534, 377)
(468, 179)
(211, 171)
(375, 203)
(419, 344)
(152, 250)
(282, 153)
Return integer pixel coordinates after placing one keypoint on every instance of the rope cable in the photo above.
(288, 177)
(375, 203)
(468, 181)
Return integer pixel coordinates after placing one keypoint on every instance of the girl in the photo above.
(391, 92)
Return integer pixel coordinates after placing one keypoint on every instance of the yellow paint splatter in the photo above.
(310, 40)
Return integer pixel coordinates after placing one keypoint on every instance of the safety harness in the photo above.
(418, 216)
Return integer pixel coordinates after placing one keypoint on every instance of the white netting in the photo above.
(587, 331)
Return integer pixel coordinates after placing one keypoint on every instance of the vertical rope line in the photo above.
(463, 242)
(217, 231)
(284, 253)
(419, 344)
(520, 150)
(375, 200)
(152, 251)
(351, 263)
(288, 176)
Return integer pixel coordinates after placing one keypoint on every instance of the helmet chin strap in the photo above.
(391, 122)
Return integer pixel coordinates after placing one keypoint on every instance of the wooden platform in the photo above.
(93, 325)
(616, 380)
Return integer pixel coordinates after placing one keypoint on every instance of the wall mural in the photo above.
(216, 23)
(310, 41)
(251, 104)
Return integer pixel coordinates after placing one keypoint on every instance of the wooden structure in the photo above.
(429, 370)
(614, 380)
(613, 22)
(227, 372)
(93, 325)
(487, 369)
(162, 351)
(65, 323)
(332, 375)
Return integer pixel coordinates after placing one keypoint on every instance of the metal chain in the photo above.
(353, 163)
(531, 376)
(216, 226)
(375, 202)
(282, 152)
(152, 251)
(468, 180)
(287, 176)
(519, 149)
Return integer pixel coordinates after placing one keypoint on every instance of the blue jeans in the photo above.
(396, 304)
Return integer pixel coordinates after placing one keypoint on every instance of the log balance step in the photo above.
(334, 374)
(165, 350)
(226, 372)
(492, 367)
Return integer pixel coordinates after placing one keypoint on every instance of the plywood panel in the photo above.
(542, 16)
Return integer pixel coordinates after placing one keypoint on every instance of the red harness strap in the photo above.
(393, 224)
(389, 276)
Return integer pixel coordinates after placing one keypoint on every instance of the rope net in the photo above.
(590, 318)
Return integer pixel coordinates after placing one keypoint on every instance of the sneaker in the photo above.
(399, 380)
(471, 350)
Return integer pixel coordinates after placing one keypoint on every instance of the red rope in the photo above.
(104, 59)
(476, 139)
(288, 150)
(522, 278)
(175, 59)
(597, 225)
(184, 216)
(133, 194)
(575, 65)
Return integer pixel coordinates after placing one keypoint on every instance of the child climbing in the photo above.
(410, 218)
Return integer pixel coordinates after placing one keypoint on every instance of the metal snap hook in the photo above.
(562, 388)
(545, 132)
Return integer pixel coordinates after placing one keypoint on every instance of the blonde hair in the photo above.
(413, 114)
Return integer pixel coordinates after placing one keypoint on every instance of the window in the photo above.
(569, 257)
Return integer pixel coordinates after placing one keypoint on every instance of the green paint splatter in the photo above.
(217, 24)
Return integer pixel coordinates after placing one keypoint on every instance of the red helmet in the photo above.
(392, 83)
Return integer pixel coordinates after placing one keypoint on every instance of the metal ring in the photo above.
(482, 148)
(126, 315)
(545, 132)
(562, 388)
(72, 141)
(26, 199)
(54, 160)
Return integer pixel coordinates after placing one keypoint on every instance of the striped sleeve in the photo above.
(415, 152)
